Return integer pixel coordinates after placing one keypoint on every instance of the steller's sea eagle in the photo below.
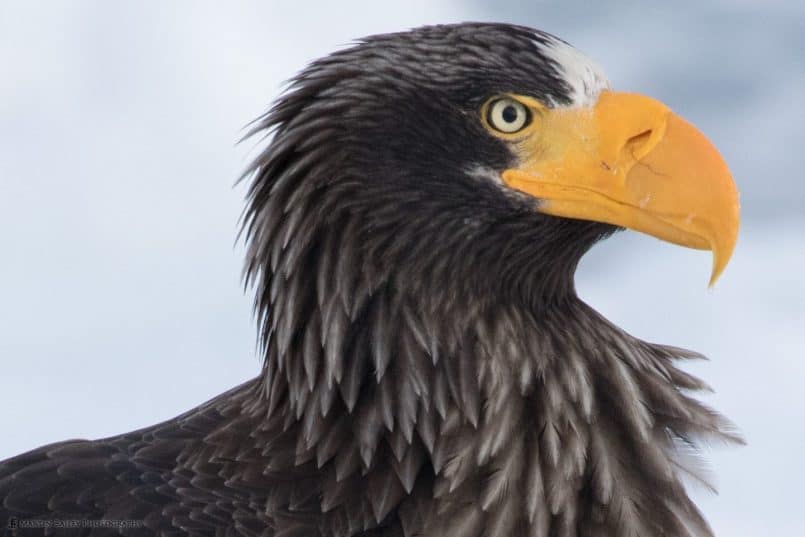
(413, 228)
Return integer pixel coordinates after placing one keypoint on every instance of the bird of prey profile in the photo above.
(413, 227)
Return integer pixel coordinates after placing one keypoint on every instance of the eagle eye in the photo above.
(507, 115)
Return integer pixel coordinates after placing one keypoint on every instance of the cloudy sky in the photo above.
(120, 296)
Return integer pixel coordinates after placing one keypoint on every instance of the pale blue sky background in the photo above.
(120, 295)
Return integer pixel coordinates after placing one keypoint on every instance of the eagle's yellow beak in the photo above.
(631, 162)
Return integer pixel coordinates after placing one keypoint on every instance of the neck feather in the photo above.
(435, 409)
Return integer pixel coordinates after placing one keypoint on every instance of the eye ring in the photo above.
(507, 115)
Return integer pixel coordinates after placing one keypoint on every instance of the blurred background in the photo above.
(121, 302)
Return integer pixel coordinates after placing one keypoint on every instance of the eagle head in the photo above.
(413, 226)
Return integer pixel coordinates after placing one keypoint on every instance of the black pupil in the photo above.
(509, 114)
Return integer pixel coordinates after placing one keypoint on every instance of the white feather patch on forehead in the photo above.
(584, 78)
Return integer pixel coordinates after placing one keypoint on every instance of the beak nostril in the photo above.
(635, 144)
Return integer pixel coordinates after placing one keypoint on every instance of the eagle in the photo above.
(412, 229)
